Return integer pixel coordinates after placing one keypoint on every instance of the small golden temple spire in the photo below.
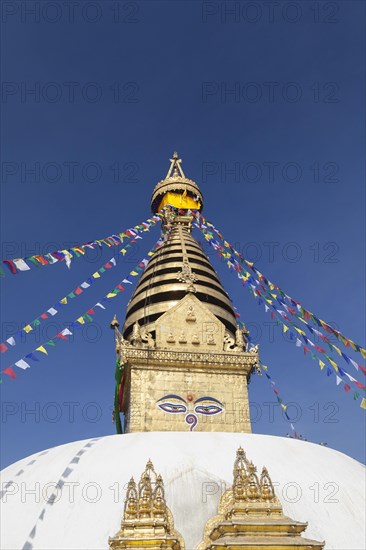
(147, 520)
(175, 167)
(250, 515)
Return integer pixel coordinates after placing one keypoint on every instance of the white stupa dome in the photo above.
(314, 484)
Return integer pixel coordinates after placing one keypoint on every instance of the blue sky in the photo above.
(266, 108)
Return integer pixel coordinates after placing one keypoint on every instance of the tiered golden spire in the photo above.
(250, 516)
(147, 521)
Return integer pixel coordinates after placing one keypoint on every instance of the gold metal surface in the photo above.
(250, 516)
(147, 521)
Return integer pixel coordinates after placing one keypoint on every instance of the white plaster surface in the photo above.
(314, 484)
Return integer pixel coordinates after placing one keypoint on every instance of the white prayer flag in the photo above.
(22, 364)
(21, 265)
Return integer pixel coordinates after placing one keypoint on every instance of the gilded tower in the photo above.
(186, 361)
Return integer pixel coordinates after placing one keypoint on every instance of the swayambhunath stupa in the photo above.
(184, 470)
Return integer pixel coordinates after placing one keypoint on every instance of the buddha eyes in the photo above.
(208, 409)
(172, 408)
(180, 408)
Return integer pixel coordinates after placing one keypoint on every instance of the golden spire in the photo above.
(175, 167)
(251, 513)
(147, 519)
(176, 189)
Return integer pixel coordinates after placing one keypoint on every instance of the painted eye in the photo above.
(208, 409)
(172, 408)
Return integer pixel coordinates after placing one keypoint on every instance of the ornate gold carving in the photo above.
(229, 342)
(114, 322)
(211, 340)
(195, 339)
(147, 337)
(147, 521)
(250, 515)
(170, 339)
(191, 317)
(175, 181)
(241, 361)
(136, 335)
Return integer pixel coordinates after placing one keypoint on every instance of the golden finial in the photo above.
(175, 167)
(114, 323)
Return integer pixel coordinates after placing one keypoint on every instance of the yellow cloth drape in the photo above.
(179, 200)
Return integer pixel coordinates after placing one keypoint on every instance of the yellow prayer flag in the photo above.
(123, 251)
(264, 367)
(150, 253)
(299, 330)
(353, 345)
(285, 328)
(81, 320)
(363, 403)
(337, 349)
(363, 352)
(334, 365)
(27, 329)
(42, 349)
(63, 301)
(321, 364)
(96, 275)
(274, 295)
(283, 406)
(111, 295)
(134, 273)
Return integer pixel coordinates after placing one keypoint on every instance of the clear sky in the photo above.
(266, 107)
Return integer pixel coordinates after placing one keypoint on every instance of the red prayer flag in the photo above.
(120, 287)
(62, 336)
(306, 349)
(320, 349)
(44, 316)
(78, 290)
(347, 388)
(9, 371)
(362, 368)
(3, 348)
(11, 266)
(91, 311)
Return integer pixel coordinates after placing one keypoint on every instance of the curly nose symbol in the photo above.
(191, 419)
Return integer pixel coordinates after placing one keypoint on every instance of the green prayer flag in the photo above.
(33, 260)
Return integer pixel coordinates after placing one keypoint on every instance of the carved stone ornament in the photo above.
(250, 515)
(170, 339)
(147, 521)
(187, 276)
(191, 317)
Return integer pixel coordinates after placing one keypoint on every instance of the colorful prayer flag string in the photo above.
(306, 314)
(266, 300)
(279, 398)
(54, 310)
(17, 265)
(42, 350)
